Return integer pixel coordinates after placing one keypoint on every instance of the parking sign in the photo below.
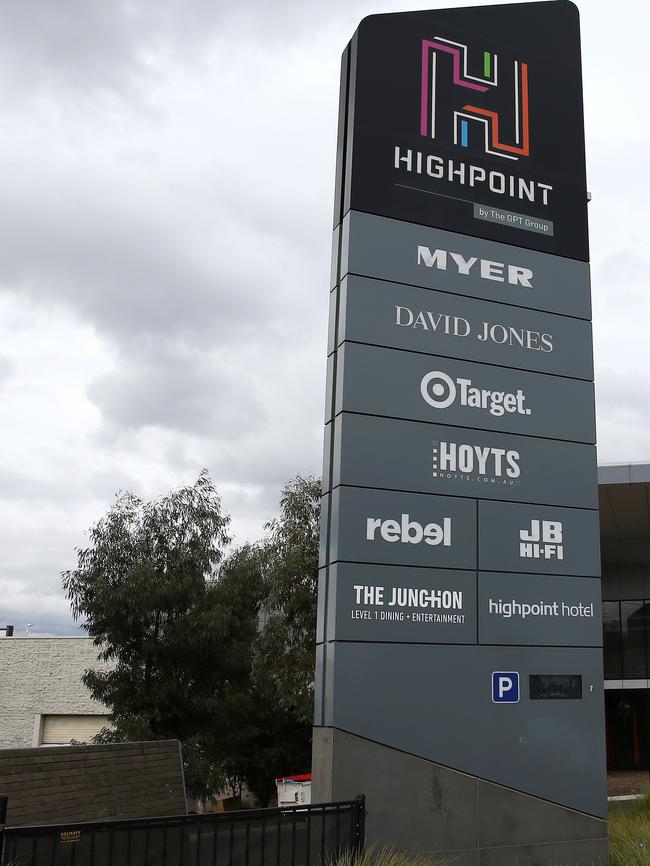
(505, 687)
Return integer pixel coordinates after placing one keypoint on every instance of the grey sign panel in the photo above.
(374, 246)
(392, 603)
(418, 387)
(334, 261)
(324, 528)
(386, 527)
(406, 317)
(536, 610)
(520, 221)
(327, 455)
(430, 458)
(436, 702)
(514, 537)
(331, 328)
(321, 611)
(329, 388)
(319, 685)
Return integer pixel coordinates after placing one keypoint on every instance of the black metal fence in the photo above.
(312, 835)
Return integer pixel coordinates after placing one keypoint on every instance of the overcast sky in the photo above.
(166, 178)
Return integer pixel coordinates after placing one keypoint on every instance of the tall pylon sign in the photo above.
(459, 650)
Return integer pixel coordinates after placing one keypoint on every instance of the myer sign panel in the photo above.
(373, 246)
(405, 317)
(419, 387)
(472, 125)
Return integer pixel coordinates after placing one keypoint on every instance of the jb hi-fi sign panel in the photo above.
(459, 553)
(470, 121)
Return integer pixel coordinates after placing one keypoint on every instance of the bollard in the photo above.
(3, 821)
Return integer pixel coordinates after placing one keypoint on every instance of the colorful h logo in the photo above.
(474, 114)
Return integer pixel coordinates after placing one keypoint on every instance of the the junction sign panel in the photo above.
(459, 663)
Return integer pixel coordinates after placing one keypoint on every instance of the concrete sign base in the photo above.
(422, 807)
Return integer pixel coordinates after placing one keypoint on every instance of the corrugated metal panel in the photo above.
(61, 730)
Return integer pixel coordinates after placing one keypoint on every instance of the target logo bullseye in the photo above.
(440, 391)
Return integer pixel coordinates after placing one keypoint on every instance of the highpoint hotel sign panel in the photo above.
(459, 542)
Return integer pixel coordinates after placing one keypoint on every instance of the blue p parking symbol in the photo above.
(505, 687)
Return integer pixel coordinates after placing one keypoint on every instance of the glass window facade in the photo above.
(626, 639)
(627, 728)
(626, 652)
(612, 648)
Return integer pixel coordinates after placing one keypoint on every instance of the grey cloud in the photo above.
(130, 276)
(18, 484)
(169, 390)
(133, 269)
(94, 45)
(70, 479)
(47, 611)
(259, 458)
(625, 392)
(622, 278)
(6, 369)
(264, 458)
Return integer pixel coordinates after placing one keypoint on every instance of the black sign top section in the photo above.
(469, 120)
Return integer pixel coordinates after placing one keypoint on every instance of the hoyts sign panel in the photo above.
(470, 120)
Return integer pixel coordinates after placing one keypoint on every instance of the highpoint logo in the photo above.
(485, 119)
(441, 391)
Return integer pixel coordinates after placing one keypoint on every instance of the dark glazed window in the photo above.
(612, 648)
(627, 717)
(554, 687)
(633, 633)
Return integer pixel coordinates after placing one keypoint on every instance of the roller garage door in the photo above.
(61, 730)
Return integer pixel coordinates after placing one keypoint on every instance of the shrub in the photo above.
(387, 857)
(629, 834)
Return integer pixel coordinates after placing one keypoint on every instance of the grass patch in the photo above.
(387, 857)
(629, 834)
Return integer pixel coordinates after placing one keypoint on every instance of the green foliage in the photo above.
(145, 590)
(266, 731)
(284, 661)
(217, 654)
(629, 833)
(387, 857)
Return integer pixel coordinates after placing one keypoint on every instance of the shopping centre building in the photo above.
(625, 542)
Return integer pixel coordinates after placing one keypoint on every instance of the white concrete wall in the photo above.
(42, 676)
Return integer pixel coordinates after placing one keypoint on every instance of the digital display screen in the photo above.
(554, 687)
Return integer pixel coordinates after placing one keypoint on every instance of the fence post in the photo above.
(359, 823)
(3, 821)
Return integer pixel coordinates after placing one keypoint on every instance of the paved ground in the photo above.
(628, 782)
